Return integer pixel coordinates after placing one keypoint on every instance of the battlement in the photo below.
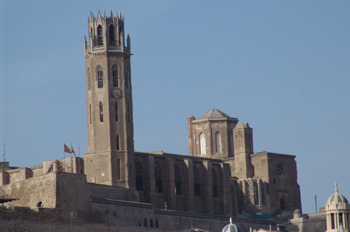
(92, 18)
(70, 165)
(106, 34)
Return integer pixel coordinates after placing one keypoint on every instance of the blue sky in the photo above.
(282, 66)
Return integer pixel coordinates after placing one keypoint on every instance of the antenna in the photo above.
(4, 152)
(316, 203)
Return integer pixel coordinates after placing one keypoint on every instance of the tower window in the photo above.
(218, 142)
(158, 177)
(99, 35)
(202, 144)
(115, 76)
(99, 78)
(177, 181)
(117, 143)
(101, 112)
(215, 185)
(138, 169)
(196, 182)
(116, 111)
(89, 79)
(111, 35)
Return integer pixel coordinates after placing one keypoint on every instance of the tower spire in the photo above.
(99, 15)
(336, 187)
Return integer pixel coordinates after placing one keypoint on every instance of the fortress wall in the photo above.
(25, 225)
(142, 215)
(112, 192)
(308, 224)
(30, 192)
(19, 174)
(37, 172)
(73, 195)
(108, 215)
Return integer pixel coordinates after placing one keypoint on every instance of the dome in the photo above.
(214, 113)
(231, 227)
(337, 198)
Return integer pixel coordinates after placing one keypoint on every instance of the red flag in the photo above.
(73, 151)
(66, 149)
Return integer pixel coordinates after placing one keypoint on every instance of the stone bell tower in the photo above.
(110, 155)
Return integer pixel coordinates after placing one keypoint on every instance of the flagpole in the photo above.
(71, 159)
(64, 157)
(79, 158)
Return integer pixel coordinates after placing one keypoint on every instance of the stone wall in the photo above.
(308, 223)
(30, 192)
(279, 171)
(112, 192)
(204, 201)
(252, 196)
(109, 215)
(13, 175)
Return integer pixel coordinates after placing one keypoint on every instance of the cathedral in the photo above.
(117, 186)
(222, 174)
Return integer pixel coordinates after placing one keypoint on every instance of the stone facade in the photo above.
(109, 103)
(117, 186)
(58, 199)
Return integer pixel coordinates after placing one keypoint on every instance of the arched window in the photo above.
(126, 81)
(282, 204)
(117, 142)
(196, 182)
(118, 169)
(111, 35)
(99, 35)
(202, 144)
(89, 79)
(99, 78)
(116, 111)
(158, 177)
(215, 185)
(101, 112)
(177, 180)
(231, 142)
(115, 76)
(138, 169)
(218, 142)
(341, 220)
